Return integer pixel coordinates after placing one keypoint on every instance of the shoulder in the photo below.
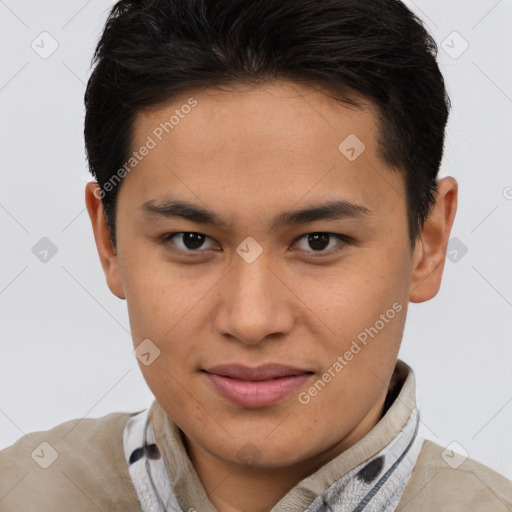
(78, 465)
(446, 481)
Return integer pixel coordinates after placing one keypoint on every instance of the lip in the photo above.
(253, 387)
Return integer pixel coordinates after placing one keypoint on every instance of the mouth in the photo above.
(255, 387)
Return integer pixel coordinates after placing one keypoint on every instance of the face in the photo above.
(269, 266)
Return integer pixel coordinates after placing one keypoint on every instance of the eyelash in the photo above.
(344, 239)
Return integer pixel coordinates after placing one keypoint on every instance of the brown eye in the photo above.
(319, 242)
(193, 240)
(187, 241)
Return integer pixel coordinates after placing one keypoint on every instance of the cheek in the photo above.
(162, 312)
(353, 297)
(158, 295)
(167, 306)
(147, 300)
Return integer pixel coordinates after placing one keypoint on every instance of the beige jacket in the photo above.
(80, 465)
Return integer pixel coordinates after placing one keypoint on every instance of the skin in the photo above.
(248, 154)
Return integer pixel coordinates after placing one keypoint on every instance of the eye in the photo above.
(187, 241)
(320, 241)
(191, 242)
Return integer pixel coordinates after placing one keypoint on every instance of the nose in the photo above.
(255, 303)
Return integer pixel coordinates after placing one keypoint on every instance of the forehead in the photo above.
(283, 115)
(271, 144)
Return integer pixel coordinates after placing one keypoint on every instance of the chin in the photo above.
(262, 453)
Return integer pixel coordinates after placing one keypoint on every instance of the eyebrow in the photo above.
(331, 210)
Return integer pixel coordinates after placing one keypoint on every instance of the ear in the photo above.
(430, 250)
(106, 249)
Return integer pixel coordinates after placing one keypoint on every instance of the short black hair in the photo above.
(152, 50)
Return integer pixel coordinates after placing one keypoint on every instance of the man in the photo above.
(267, 202)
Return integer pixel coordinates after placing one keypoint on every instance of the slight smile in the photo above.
(261, 386)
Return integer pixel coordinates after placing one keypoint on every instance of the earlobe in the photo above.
(106, 251)
(430, 251)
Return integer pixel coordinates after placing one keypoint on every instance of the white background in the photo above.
(66, 350)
